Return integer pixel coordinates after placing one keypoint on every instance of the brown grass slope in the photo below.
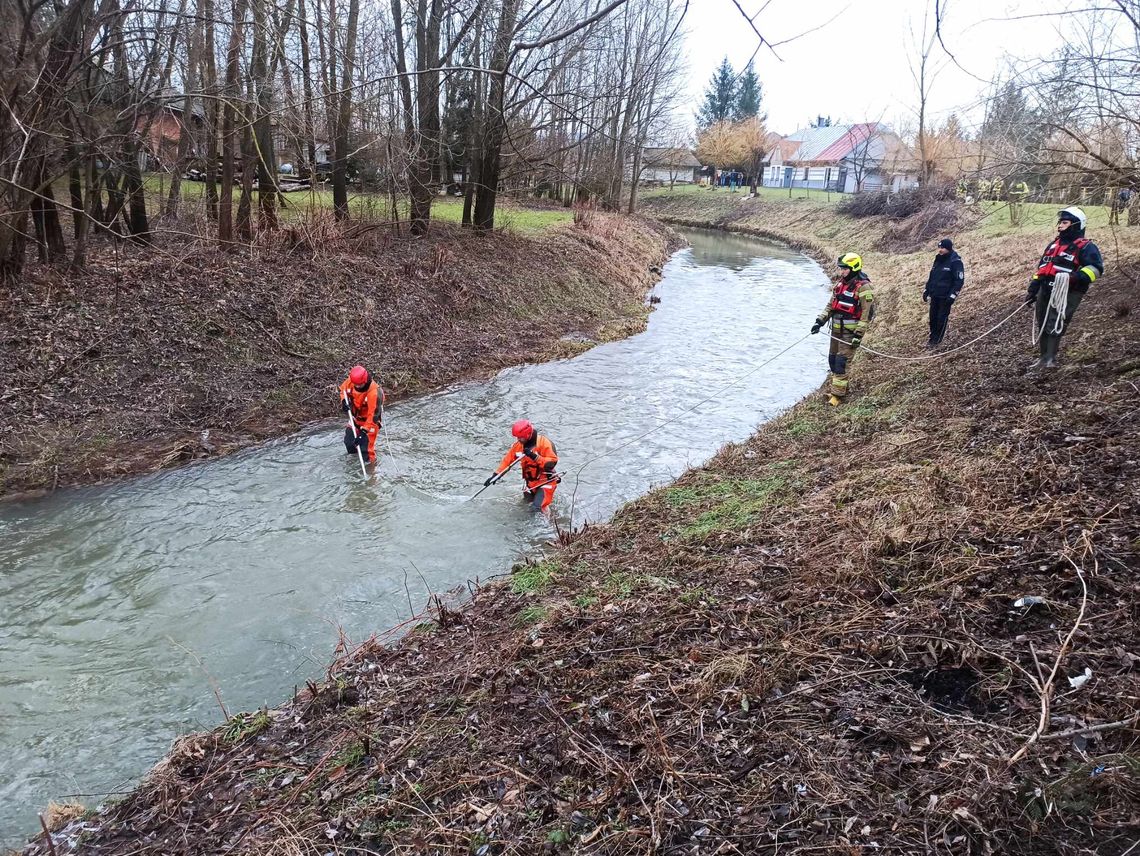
(123, 369)
(808, 646)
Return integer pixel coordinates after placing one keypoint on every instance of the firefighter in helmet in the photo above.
(539, 460)
(1069, 265)
(848, 314)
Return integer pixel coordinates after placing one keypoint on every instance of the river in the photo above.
(123, 607)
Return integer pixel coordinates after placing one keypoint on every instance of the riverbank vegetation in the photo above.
(907, 624)
(168, 355)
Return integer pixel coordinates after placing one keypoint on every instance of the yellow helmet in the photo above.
(851, 260)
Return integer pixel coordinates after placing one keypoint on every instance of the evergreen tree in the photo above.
(720, 96)
(748, 95)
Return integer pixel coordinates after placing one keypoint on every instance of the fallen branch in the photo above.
(1046, 689)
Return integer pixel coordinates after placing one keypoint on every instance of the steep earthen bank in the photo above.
(156, 358)
(812, 644)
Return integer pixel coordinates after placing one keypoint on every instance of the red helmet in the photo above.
(358, 375)
(522, 429)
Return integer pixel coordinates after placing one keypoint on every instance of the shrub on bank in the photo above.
(896, 206)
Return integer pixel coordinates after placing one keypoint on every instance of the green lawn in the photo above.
(1039, 217)
(362, 206)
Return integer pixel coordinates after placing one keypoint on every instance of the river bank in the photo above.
(810, 644)
(158, 358)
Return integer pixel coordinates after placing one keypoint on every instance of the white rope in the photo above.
(904, 359)
(387, 439)
(1058, 299)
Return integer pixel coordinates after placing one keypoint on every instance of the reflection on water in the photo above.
(115, 602)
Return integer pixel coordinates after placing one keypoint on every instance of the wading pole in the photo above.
(497, 476)
(356, 435)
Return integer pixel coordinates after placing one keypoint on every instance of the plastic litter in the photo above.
(1080, 680)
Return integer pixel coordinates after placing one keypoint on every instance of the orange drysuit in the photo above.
(365, 407)
(537, 471)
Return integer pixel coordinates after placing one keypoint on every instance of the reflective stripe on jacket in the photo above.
(1080, 258)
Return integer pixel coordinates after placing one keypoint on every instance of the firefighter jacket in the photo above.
(365, 405)
(537, 469)
(947, 275)
(1077, 256)
(851, 306)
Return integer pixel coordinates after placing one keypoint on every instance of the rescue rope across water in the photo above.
(387, 439)
(921, 357)
(578, 472)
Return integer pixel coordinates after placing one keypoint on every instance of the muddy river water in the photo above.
(120, 605)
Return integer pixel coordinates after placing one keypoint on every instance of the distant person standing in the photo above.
(1018, 193)
(947, 276)
(1120, 203)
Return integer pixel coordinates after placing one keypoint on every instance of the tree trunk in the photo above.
(248, 159)
(84, 215)
(262, 136)
(307, 91)
(13, 247)
(45, 217)
(495, 127)
(635, 172)
(344, 116)
(116, 202)
(211, 86)
(424, 166)
(186, 130)
(231, 95)
(137, 226)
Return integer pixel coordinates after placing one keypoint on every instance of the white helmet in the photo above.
(1075, 214)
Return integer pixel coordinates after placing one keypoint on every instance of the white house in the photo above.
(842, 158)
(667, 165)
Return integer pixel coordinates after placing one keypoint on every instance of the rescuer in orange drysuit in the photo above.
(363, 397)
(539, 459)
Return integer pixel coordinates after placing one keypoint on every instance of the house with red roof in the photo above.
(841, 158)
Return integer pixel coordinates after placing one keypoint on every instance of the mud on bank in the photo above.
(154, 359)
(809, 645)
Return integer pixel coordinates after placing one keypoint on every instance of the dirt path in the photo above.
(812, 644)
(150, 361)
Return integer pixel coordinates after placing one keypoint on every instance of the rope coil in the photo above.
(1058, 300)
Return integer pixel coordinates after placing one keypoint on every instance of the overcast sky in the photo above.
(854, 67)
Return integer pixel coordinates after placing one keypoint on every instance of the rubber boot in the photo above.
(1049, 347)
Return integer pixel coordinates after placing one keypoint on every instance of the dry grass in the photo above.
(87, 357)
(834, 665)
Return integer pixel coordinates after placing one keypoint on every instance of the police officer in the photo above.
(1069, 265)
(947, 275)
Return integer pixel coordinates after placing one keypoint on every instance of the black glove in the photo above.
(344, 405)
(1031, 294)
(926, 297)
(531, 453)
(490, 479)
(815, 327)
